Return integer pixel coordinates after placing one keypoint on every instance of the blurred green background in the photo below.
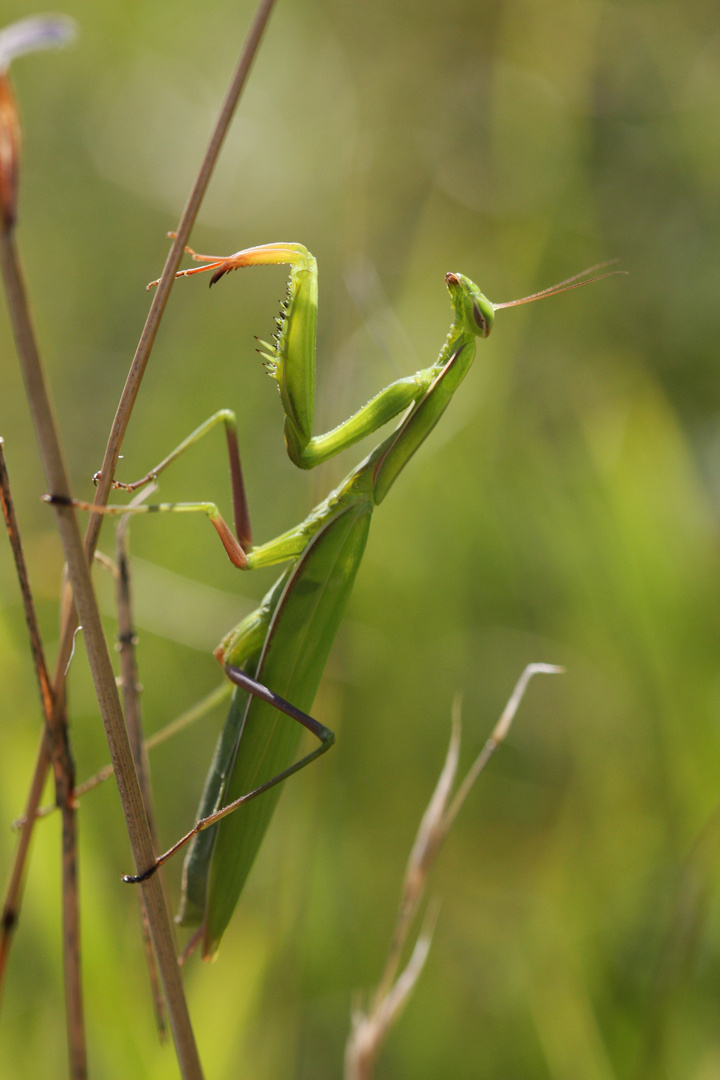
(566, 510)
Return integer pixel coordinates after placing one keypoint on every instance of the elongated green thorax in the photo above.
(303, 627)
(474, 315)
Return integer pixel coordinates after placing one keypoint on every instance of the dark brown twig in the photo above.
(131, 690)
(56, 741)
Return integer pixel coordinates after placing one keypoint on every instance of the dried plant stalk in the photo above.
(370, 1029)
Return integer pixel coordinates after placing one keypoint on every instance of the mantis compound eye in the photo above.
(480, 319)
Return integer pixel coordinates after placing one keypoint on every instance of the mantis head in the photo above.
(477, 313)
(474, 311)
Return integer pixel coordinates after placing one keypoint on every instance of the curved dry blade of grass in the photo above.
(33, 34)
(370, 1029)
(25, 36)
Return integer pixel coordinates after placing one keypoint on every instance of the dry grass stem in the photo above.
(200, 709)
(131, 691)
(55, 740)
(105, 689)
(77, 556)
(370, 1029)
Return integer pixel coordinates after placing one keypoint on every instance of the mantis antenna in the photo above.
(573, 282)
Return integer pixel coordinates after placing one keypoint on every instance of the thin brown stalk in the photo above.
(13, 896)
(182, 235)
(216, 697)
(77, 557)
(152, 322)
(58, 748)
(131, 691)
(98, 656)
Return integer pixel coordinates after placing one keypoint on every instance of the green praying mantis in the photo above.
(284, 644)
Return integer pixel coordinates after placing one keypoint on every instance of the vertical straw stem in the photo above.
(131, 690)
(98, 656)
(57, 748)
(83, 602)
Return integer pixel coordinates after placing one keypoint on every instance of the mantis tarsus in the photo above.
(285, 643)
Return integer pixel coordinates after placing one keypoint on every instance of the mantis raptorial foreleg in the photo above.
(290, 360)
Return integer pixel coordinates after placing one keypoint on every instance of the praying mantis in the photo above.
(285, 643)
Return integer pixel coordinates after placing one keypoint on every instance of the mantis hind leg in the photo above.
(325, 736)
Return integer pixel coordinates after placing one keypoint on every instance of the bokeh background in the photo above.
(566, 510)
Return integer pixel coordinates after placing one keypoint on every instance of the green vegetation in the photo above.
(566, 511)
